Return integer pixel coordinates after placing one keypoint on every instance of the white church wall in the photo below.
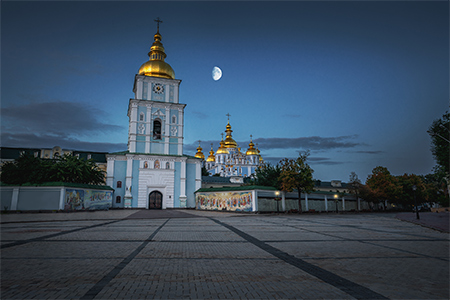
(120, 168)
(192, 168)
(177, 179)
(161, 180)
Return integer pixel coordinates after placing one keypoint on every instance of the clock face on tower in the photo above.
(158, 88)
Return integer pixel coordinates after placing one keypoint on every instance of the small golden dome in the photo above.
(199, 153)
(251, 150)
(222, 149)
(261, 160)
(156, 66)
(211, 156)
(229, 142)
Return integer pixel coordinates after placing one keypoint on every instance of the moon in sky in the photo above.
(216, 73)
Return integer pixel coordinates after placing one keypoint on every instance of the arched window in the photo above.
(119, 184)
(141, 116)
(174, 119)
(157, 129)
(167, 165)
(118, 199)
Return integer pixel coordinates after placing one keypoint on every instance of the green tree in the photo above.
(406, 193)
(26, 168)
(297, 174)
(72, 169)
(267, 175)
(440, 141)
(68, 168)
(354, 185)
(436, 187)
(204, 171)
(367, 194)
(383, 185)
(440, 148)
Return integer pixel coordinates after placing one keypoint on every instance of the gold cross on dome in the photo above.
(228, 115)
(158, 21)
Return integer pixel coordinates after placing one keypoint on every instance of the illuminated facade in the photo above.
(228, 160)
(154, 173)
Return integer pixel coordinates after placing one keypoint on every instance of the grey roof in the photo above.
(14, 153)
(156, 154)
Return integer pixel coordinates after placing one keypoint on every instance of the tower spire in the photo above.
(156, 66)
(158, 20)
(229, 142)
(199, 153)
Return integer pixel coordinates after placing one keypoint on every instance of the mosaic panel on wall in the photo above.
(80, 199)
(231, 201)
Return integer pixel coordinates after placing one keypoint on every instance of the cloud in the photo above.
(315, 143)
(323, 161)
(311, 160)
(55, 118)
(369, 152)
(206, 145)
(33, 140)
(56, 123)
(308, 143)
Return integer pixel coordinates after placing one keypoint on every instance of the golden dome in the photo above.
(211, 156)
(222, 149)
(251, 150)
(156, 66)
(229, 142)
(261, 160)
(199, 153)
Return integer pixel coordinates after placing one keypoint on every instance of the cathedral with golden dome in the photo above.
(154, 173)
(229, 160)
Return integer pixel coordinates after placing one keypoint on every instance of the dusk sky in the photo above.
(357, 83)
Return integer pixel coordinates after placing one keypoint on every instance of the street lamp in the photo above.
(277, 198)
(336, 202)
(414, 188)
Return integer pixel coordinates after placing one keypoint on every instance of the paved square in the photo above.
(214, 255)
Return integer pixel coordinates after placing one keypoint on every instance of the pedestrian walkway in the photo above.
(439, 221)
(192, 254)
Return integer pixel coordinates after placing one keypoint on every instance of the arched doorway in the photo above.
(155, 200)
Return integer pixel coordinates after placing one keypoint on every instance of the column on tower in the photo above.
(148, 130)
(132, 131)
(167, 130)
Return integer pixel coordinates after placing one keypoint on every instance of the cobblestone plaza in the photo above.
(130, 254)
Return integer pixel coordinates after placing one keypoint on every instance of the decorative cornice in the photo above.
(158, 80)
(158, 104)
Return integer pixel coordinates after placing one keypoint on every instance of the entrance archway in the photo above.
(155, 200)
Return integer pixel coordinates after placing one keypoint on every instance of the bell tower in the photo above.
(156, 118)
(153, 173)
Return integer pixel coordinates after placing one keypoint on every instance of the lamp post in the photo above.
(414, 188)
(277, 198)
(336, 202)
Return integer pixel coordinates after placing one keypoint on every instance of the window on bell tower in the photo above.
(157, 129)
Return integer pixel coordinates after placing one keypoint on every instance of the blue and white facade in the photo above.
(229, 160)
(154, 162)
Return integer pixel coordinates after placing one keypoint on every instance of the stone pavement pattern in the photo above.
(195, 254)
